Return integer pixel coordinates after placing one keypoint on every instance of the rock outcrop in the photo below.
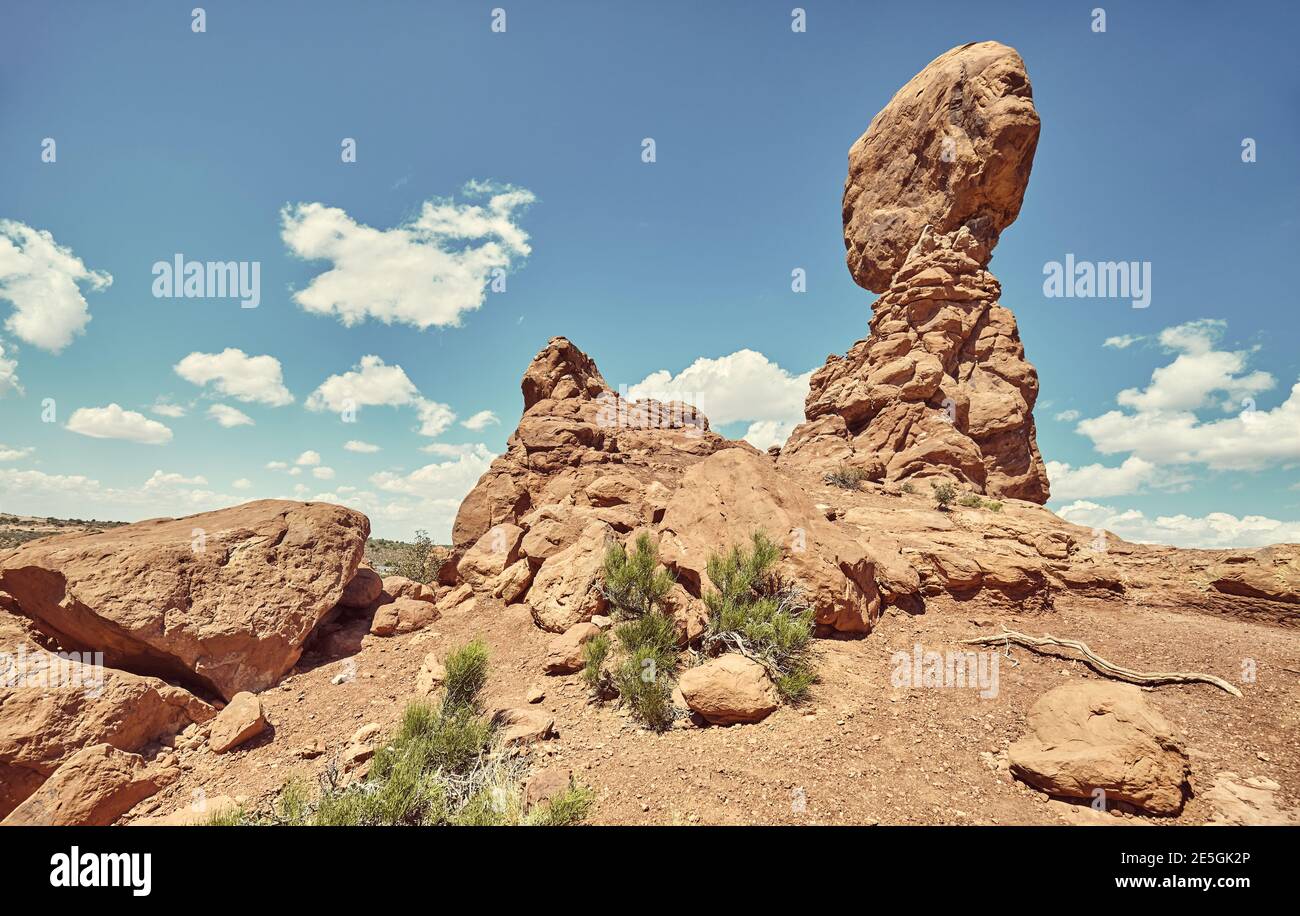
(580, 446)
(1095, 736)
(941, 386)
(93, 788)
(220, 602)
(52, 706)
(722, 501)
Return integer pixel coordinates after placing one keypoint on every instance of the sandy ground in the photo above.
(859, 751)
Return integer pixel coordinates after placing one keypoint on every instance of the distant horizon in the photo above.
(392, 210)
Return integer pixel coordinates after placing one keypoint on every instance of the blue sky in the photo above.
(225, 145)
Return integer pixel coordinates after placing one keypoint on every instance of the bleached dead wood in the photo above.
(1099, 664)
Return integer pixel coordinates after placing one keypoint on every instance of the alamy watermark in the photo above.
(1098, 280)
(182, 279)
(958, 669)
(53, 670)
(617, 411)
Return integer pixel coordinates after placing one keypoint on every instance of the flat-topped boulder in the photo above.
(221, 602)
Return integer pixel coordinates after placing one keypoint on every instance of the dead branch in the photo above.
(1100, 665)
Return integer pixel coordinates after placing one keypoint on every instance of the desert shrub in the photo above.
(440, 767)
(846, 476)
(993, 506)
(467, 670)
(635, 584)
(416, 560)
(907, 488)
(944, 494)
(645, 687)
(226, 818)
(594, 653)
(753, 612)
(567, 809)
(970, 501)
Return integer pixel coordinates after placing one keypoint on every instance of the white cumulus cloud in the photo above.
(372, 383)
(112, 422)
(228, 416)
(1096, 480)
(41, 279)
(11, 453)
(481, 420)
(8, 374)
(251, 379)
(744, 386)
(356, 445)
(1215, 529)
(426, 272)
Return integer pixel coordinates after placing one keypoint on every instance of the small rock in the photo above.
(240, 721)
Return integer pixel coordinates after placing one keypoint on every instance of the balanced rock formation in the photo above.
(940, 387)
(220, 602)
(1102, 736)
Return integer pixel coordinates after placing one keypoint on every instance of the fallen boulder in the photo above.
(242, 720)
(729, 689)
(92, 788)
(221, 602)
(1095, 736)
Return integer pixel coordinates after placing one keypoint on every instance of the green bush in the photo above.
(594, 653)
(944, 494)
(467, 670)
(907, 488)
(645, 686)
(635, 585)
(970, 501)
(441, 767)
(755, 613)
(846, 476)
(415, 560)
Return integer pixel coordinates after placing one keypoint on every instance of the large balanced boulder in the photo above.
(729, 689)
(1094, 736)
(954, 146)
(724, 499)
(93, 788)
(940, 388)
(221, 601)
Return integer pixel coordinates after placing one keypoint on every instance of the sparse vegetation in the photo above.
(944, 495)
(594, 653)
(636, 587)
(907, 488)
(418, 560)
(974, 501)
(442, 767)
(846, 477)
(753, 612)
(16, 530)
